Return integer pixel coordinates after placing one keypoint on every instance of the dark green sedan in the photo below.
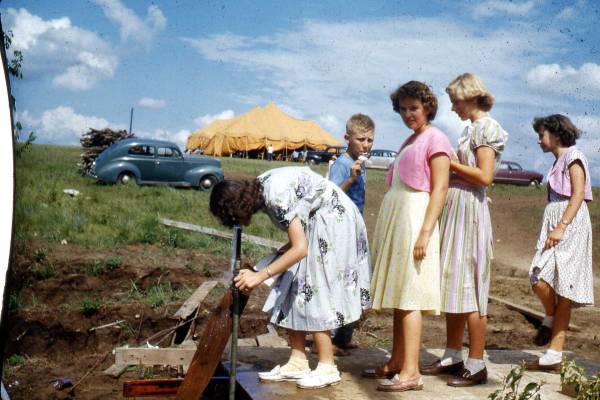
(155, 162)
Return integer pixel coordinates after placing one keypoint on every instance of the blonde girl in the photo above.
(466, 233)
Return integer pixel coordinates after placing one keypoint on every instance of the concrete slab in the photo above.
(353, 386)
(270, 340)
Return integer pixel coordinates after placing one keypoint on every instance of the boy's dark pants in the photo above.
(342, 336)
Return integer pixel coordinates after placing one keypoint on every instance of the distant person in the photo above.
(270, 152)
(324, 273)
(561, 271)
(466, 233)
(295, 155)
(348, 172)
(406, 245)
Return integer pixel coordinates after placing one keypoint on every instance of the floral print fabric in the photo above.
(330, 286)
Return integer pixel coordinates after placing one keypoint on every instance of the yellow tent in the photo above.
(258, 128)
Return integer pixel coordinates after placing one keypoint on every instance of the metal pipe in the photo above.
(236, 250)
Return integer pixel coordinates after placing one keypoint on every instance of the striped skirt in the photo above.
(466, 251)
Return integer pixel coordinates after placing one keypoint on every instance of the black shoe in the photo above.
(543, 336)
(465, 378)
(438, 369)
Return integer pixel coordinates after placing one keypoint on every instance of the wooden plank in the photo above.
(527, 311)
(148, 356)
(151, 387)
(210, 347)
(115, 370)
(214, 232)
(192, 303)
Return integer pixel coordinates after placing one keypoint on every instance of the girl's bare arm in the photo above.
(438, 165)
(297, 250)
(483, 173)
(577, 175)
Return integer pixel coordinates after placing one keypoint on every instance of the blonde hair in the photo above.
(469, 86)
(359, 123)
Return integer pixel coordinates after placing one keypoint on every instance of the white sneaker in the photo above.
(277, 375)
(317, 379)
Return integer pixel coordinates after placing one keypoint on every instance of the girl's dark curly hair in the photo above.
(234, 202)
(560, 126)
(416, 90)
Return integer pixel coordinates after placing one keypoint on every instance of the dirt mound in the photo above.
(66, 290)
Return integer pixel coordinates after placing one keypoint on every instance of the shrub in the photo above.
(45, 271)
(574, 383)
(113, 263)
(89, 306)
(39, 255)
(94, 268)
(510, 387)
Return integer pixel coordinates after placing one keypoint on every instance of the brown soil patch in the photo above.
(52, 333)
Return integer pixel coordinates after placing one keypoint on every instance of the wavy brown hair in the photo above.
(416, 90)
(234, 202)
(559, 126)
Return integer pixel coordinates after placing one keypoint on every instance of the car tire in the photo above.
(126, 178)
(312, 162)
(207, 182)
(534, 183)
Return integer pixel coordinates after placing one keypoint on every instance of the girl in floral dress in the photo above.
(324, 272)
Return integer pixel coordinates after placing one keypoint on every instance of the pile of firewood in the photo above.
(94, 142)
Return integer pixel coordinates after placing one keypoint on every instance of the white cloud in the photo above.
(567, 80)
(76, 58)
(62, 125)
(332, 124)
(148, 102)
(493, 7)
(206, 119)
(567, 13)
(131, 26)
(338, 69)
(180, 137)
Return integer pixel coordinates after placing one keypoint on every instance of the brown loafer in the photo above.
(466, 379)
(396, 385)
(535, 366)
(438, 369)
(378, 373)
(543, 336)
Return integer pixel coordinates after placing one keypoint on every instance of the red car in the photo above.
(513, 173)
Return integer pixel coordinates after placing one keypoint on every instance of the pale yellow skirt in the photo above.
(399, 281)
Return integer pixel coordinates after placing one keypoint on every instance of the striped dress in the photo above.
(466, 227)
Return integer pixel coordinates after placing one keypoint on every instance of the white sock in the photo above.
(551, 357)
(326, 368)
(296, 364)
(474, 365)
(548, 321)
(451, 356)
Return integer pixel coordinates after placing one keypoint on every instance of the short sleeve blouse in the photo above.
(559, 178)
(413, 163)
(485, 131)
(291, 192)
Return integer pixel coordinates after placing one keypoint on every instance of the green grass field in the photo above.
(114, 215)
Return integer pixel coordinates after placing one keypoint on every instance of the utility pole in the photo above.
(130, 120)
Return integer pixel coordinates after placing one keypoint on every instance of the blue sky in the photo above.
(182, 64)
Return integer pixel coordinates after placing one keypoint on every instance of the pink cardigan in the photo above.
(559, 178)
(413, 167)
